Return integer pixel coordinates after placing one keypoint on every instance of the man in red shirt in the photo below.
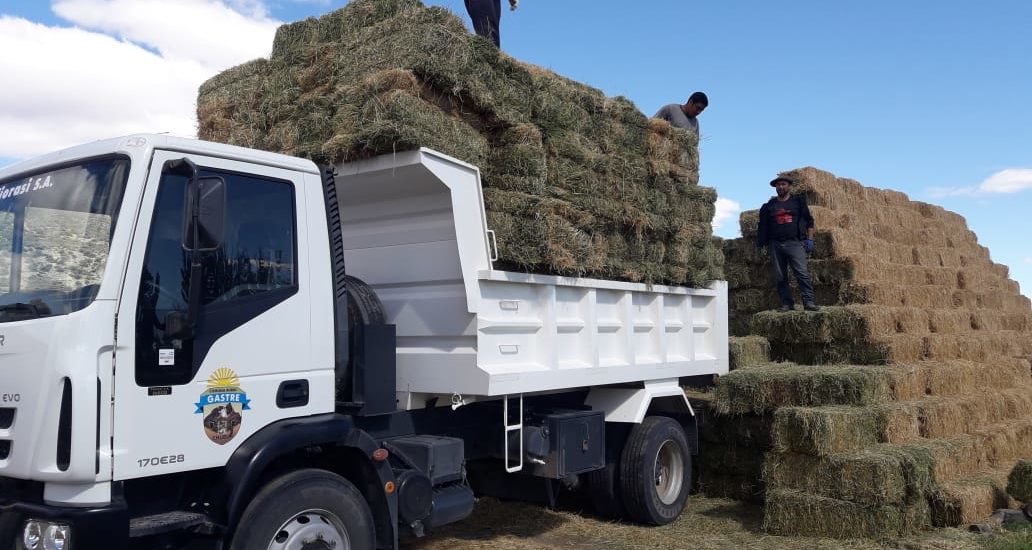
(786, 230)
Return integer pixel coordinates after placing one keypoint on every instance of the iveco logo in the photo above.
(10, 398)
(2, 339)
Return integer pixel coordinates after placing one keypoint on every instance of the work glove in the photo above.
(808, 245)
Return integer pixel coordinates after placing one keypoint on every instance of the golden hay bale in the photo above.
(1019, 481)
(792, 513)
(969, 499)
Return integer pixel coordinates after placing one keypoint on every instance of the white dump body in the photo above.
(415, 230)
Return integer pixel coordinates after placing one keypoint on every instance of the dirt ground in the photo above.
(705, 524)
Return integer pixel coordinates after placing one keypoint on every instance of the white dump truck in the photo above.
(201, 342)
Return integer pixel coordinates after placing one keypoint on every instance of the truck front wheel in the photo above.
(655, 471)
(306, 510)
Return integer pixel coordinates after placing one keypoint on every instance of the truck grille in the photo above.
(6, 417)
(5, 449)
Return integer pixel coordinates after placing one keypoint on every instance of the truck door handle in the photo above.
(292, 393)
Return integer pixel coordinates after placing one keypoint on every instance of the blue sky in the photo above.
(926, 97)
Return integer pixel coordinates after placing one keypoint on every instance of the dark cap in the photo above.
(774, 181)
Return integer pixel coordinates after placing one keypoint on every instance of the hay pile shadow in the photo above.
(906, 401)
(575, 183)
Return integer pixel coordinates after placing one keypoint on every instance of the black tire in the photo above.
(655, 471)
(364, 306)
(309, 503)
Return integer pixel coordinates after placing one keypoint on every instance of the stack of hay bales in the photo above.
(575, 183)
(912, 397)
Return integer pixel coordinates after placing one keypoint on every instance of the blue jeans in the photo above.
(485, 15)
(791, 253)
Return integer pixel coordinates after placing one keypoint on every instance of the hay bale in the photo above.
(822, 431)
(748, 351)
(969, 499)
(792, 513)
(1019, 481)
(745, 488)
(880, 475)
(764, 389)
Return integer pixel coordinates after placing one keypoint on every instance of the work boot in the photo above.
(810, 306)
(785, 308)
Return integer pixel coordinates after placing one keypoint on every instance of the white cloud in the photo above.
(128, 66)
(1010, 180)
(727, 209)
(940, 192)
(205, 31)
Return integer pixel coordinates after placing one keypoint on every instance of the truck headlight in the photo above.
(32, 535)
(43, 535)
(56, 537)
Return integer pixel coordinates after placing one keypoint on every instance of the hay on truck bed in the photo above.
(575, 183)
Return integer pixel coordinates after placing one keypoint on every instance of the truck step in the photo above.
(164, 523)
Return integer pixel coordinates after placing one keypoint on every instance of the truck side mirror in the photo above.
(204, 217)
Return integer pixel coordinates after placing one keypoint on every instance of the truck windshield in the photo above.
(55, 230)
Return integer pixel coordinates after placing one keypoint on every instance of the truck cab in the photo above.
(185, 354)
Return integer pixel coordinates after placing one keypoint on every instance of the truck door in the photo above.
(186, 402)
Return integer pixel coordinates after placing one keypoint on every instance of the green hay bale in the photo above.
(830, 324)
(792, 513)
(1019, 482)
(766, 388)
(822, 431)
(518, 154)
(883, 474)
(747, 351)
(399, 121)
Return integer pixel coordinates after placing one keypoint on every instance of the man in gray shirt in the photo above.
(684, 116)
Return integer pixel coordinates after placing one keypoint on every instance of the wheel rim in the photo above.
(669, 472)
(311, 530)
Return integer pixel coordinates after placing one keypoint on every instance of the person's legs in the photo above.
(779, 261)
(796, 256)
(485, 15)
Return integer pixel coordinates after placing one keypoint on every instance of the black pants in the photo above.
(485, 15)
(785, 254)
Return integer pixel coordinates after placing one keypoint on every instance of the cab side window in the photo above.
(254, 269)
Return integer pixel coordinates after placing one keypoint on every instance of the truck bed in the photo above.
(415, 230)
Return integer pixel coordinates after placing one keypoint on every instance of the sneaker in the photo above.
(785, 309)
(811, 307)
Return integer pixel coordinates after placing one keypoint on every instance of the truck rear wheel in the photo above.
(655, 471)
(306, 510)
